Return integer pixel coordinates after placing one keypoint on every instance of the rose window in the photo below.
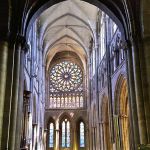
(66, 86)
(66, 76)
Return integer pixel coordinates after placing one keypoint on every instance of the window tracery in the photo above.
(66, 85)
(65, 134)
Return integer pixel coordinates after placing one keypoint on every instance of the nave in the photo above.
(74, 75)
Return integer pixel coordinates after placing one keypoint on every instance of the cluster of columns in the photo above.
(11, 90)
(136, 88)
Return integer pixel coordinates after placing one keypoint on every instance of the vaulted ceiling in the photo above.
(67, 26)
(125, 13)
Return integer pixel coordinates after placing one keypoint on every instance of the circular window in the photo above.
(66, 76)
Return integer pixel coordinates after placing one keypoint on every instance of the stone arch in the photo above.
(122, 79)
(65, 118)
(109, 7)
(122, 112)
(50, 119)
(63, 115)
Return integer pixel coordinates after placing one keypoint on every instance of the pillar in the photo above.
(145, 13)
(132, 97)
(14, 102)
(57, 139)
(19, 105)
(34, 137)
(8, 94)
(139, 90)
(45, 139)
(75, 141)
(57, 136)
(9, 87)
(3, 73)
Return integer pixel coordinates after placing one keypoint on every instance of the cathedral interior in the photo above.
(75, 75)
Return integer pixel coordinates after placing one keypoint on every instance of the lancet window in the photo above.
(65, 139)
(82, 134)
(51, 135)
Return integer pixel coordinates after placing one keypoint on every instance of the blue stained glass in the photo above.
(82, 136)
(68, 134)
(51, 135)
(63, 134)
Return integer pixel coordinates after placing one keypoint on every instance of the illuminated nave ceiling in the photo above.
(67, 26)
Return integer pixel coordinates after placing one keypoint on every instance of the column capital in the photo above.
(22, 40)
(15, 39)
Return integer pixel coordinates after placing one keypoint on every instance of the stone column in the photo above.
(57, 136)
(9, 76)
(57, 139)
(14, 102)
(87, 138)
(19, 107)
(3, 73)
(146, 61)
(75, 141)
(34, 136)
(45, 139)
(139, 89)
(132, 96)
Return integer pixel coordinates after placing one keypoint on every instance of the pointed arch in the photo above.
(51, 126)
(109, 7)
(81, 133)
(65, 126)
(122, 113)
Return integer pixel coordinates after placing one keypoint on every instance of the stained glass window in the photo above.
(51, 135)
(66, 85)
(68, 135)
(65, 133)
(82, 136)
